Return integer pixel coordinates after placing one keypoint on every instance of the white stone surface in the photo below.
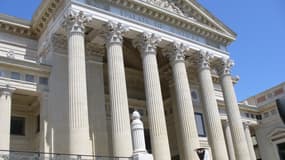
(147, 44)
(121, 131)
(139, 149)
(186, 119)
(79, 137)
(215, 130)
(96, 108)
(44, 147)
(238, 135)
(5, 117)
(249, 141)
(229, 140)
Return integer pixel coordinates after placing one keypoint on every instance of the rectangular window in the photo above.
(30, 78)
(200, 124)
(259, 117)
(1, 73)
(43, 80)
(17, 126)
(15, 75)
(38, 123)
(147, 140)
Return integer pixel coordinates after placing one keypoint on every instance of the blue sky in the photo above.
(258, 52)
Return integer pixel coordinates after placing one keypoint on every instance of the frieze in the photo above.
(185, 27)
(27, 32)
(165, 4)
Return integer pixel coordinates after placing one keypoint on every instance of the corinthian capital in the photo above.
(114, 32)
(76, 21)
(224, 66)
(147, 43)
(176, 52)
(204, 60)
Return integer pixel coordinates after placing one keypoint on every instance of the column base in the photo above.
(142, 156)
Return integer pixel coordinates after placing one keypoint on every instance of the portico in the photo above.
(107, 60)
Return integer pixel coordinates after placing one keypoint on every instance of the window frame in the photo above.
(23, 130)
(203, 124)
(13, 74)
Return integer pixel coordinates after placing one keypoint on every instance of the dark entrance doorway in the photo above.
(281, 150)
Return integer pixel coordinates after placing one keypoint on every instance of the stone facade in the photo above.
(70, 78)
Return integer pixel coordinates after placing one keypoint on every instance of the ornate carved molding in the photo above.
(114, 32)
(165, 4)
(44, 14)
(17, 30)
(146, 43)
(75, 22)
(204, 60)
(176, 52)
(95, 52)
(200, 25)
(224, 66)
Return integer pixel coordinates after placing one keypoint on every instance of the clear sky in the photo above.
(259, 51)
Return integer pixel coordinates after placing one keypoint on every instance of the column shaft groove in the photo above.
(215, 130)
(185, 110)
(121, 132)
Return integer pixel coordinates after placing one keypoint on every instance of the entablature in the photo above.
(163, 19)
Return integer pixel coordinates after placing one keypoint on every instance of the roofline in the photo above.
(12, 20)
(264, 91)
(39, 11)
(212, 16)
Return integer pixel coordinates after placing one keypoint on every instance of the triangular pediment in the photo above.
(192, 10)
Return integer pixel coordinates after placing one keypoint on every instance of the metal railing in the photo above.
(23, 155)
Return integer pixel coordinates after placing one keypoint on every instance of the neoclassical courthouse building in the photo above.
(72, 76)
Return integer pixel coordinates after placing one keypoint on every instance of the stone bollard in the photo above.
(139, 149)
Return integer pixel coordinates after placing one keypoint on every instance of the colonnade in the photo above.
(121, 132)
(147, 46)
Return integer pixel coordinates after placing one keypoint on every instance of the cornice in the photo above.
(25, 65)
(16, 26)
(44, 14)
(200, 25)
(38, 24)
(199, 9)
(184, 22)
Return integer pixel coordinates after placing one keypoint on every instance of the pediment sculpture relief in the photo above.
(166, 4)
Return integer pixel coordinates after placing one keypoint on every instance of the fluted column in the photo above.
(79, 139)
(239, 139)
(249, 141)
(229, 140)
(43, 98)
(5, 117)
(213, 120)
(147, 44)
(186, 116)
(121, 131)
